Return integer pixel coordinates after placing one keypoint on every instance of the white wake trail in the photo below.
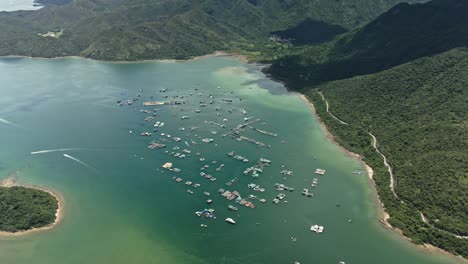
(52, 150)
(4, 121)
(79, 161)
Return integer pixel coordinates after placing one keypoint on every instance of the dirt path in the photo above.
(389, 168)
(328, 110)
(393, 181)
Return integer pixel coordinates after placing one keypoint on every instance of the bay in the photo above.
(124, 208)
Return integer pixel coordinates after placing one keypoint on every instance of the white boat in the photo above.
(314, 228)
(230, 220)
(317, 229)
(320, 229)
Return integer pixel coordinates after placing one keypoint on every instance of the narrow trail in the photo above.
(425, 220)
(328, 110)
(393, 181)
(389, 168)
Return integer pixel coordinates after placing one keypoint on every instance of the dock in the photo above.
(154, 103)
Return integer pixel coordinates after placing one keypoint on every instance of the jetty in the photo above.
(264, 132)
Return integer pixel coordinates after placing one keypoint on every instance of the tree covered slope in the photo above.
(418, 113)
(143, 29)
(404, 78)
(404, 33)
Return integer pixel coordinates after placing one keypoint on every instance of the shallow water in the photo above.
(124, 208)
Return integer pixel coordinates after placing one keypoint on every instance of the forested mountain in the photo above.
(418, 113)
(144, 29)
(404, 33)
(403, 78)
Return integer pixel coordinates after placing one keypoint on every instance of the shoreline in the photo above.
(218, 53)
(382, 214)
(59, 214)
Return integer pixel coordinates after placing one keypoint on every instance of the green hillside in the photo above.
(143, 29)
(404, 33)
(405, 82)
(418, 113)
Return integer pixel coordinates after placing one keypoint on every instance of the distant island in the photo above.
(51, 2)
(27, 209)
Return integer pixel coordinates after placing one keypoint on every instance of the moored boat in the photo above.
(230, 220)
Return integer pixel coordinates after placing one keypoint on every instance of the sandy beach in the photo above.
(11, 182)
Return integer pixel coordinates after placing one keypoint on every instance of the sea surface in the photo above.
(122, 207)
(15, 5)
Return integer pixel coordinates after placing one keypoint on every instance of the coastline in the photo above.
(59, 214)
(382, 214)
(240, 57)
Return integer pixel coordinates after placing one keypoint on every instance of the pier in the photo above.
(264, 132)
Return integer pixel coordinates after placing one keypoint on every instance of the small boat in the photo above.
(232, 208)
(320, 229)
(230, 220)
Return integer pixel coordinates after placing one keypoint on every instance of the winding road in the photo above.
(393, 181)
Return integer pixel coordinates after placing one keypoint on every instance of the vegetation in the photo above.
(153, 29)
(394, 38)
(418, 113)
(402, 76)
(25, 208)
(405, 82)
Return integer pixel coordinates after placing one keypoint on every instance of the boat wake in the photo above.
(52, 150)
(79, 161)
(4, 121)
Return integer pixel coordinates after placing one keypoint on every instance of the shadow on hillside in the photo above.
(395, 38)
(310, 31)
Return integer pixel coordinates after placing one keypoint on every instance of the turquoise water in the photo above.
(124, 208)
